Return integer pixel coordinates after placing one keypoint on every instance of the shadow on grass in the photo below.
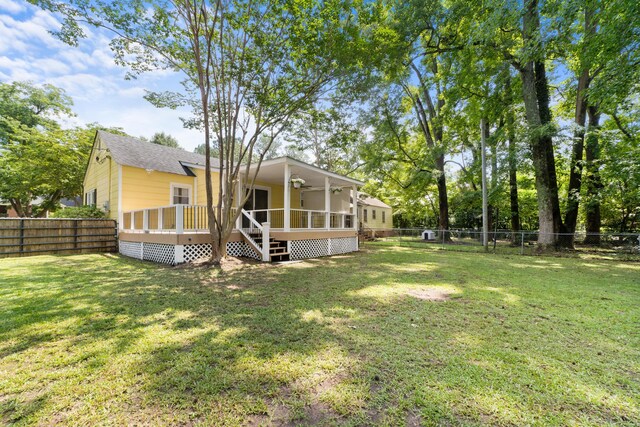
(319, 342)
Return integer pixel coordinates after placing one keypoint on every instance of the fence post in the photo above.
(21, 235)
(75, 234)
(179, 219)
(522, 243)
(265, 241)
(442, 232)
(160, 219)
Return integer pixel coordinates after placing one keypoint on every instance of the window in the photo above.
(384, 219)
(373, 214)
(90, 197)
(365, 215)
(180, 195)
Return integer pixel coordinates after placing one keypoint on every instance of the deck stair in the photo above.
(277, 248)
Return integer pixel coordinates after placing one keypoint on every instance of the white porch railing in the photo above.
(168, 219)
(193, 219)
(300, 219)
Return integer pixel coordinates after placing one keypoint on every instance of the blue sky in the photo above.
(87, 73)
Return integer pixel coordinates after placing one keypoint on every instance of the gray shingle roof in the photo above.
(129, 151)
(372, 201)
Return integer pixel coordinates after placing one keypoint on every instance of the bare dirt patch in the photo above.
(432, 294)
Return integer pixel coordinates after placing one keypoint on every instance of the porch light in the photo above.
(297, 181)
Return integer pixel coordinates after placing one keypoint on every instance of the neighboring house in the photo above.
(375, 216)
(157, 195)
(6, 210)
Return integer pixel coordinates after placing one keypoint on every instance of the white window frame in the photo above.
(178, 185)
(88, 197)
(384, 217)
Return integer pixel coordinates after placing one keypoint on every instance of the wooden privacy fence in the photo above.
(37, 236)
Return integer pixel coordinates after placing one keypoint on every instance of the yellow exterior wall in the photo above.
(201, 190)
(142, 189)
(104, 178)
(377, 223)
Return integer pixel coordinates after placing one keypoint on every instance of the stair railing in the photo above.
(261, 230)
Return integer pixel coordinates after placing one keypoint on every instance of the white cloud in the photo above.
(51, 66)
(88, 74)
(11, 6)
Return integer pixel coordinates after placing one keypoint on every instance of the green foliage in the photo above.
(326, 134)
(79, 212)
(38, 158)
(31, 106)
(162, 138)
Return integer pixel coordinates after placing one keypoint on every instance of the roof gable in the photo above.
(372, 201)
(129, 151)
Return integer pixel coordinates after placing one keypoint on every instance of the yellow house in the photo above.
(375, 216)
(157, 195)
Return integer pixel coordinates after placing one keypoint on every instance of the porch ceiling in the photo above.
(272, 171)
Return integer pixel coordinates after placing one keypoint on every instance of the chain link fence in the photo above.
(624, 246)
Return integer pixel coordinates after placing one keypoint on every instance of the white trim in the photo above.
(195, 193)
(287, 198)
(179, 185)
(262, 187)
(94, 202)
(198, 166)
(120, 210)
(291, 161)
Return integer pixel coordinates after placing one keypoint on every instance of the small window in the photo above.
(373, 214)
(180, 195)
(384, 219)
(90, 197)
(365, 215)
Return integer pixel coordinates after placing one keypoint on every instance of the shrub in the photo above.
(80, 212)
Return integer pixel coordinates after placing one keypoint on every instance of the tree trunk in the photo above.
(593, 182)
(513, 164)
(536, 100)
(575, 173)
(20, 210)
(443, 201)
(493, 210)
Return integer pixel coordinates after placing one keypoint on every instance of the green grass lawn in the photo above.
(350, 340)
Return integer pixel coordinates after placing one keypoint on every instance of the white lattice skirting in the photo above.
(314, 248)
(177, 254)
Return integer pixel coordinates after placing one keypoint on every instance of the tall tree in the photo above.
(328, 135)
(165, 139)
(38, 159)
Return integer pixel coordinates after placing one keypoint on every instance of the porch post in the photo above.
(354, 190)
(179, 219)
(327, 203)
(266, 255)
(287, 197)
(145, 220)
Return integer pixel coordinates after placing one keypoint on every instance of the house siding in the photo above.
(104, 178)
(142, 189)
(377, 223)
(201, 190)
